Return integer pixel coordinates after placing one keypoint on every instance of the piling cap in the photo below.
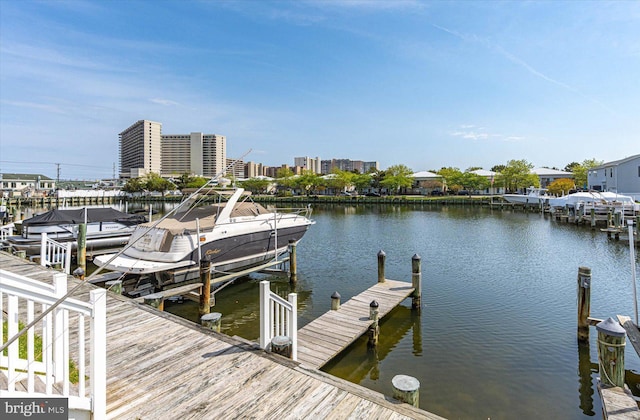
(610, 327)
(335, 295)
(78, 272)
(374, 304)
(381, 253)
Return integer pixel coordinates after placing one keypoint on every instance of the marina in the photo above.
(479, 300)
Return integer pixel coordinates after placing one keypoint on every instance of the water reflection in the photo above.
(586, 369)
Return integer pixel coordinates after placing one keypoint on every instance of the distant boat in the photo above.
(106, 228)
(232, 235)
(534, 197)
(601, 201)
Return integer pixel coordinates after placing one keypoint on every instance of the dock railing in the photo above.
(278, 317)
(54, 253)
(6, 231)
(45, 371)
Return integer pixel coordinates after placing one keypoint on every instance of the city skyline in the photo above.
(424, 84)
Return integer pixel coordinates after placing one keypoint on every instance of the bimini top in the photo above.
(77, 216)
(206, 215)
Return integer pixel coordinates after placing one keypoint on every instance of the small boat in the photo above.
(106, 228)
(534, 197)
(231, 235)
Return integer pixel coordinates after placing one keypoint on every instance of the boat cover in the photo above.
(76, 216)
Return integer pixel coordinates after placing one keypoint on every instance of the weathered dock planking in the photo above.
(323, 338)
(162, 366)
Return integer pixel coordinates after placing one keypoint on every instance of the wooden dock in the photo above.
(162, 366)
(322, 339)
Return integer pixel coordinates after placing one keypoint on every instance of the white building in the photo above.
(547, 175)
(309, 164)
(621, 176)
(195, 154)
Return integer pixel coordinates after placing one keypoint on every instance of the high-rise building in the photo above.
(347, 165)
(308, 163)
(141, 149)
(144, 149)
(235, 167)
(253, 170)
(196, 154)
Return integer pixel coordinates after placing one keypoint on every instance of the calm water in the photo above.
(496, 336)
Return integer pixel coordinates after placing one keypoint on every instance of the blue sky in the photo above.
(425, 84)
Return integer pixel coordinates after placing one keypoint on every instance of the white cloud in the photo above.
(165, 102)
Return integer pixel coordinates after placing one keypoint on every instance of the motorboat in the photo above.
(231, 235)
(106, 228)
(534, 196)
(601, 201)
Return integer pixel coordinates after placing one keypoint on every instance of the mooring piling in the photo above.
(611, 343)
(381, 257)
(584, 302)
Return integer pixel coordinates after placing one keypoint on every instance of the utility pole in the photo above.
(57, 175)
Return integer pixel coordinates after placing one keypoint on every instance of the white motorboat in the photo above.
(231, 235)
(106, 228)
(601, 201)
(534, 197)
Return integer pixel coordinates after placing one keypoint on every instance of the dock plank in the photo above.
(325, 337)
(162, 366)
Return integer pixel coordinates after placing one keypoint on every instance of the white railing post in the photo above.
(265, 316)
(43, 249)
(59, 329)
(12, 329)
(67, 259)
(98, 299)
(292, 325)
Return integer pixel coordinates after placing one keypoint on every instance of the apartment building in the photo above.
(347, 165)
(140, 149)
(196, 153)
(144, 149)
(309, 164)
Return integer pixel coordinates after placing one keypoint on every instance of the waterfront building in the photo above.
(140, 149)
(25, 185)
(621, 176)
(253, 170)
(309, 164)
(547, 175)
(195, 154)
(235, 168)
(326, 166)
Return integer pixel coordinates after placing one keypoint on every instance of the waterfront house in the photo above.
(425, 182)
(548, 175)
(621, 176)
(25, 185)
(493, 189)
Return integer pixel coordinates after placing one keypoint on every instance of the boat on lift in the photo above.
(231, 235)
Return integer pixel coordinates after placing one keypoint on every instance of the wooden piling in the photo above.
(335, 301)
(82, 246)
(156, 300)
(205, 293)
(374, 329)
(584, 302)
(282, 345)
(211, 321)
(416, 281)
(406, 389)
(381, 258)
(293, 261)
(611, 343)
(593, 218)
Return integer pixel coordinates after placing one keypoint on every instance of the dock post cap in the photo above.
(381, 253)
(416, 257)
(78, 272)
(405, 383)
(213, 316)
(610, 327)
(335, 295)
(374, 304)
(281, 340)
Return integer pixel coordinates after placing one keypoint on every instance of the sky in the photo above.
(426, 84)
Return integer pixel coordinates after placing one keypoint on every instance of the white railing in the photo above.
(6, 231)
(27, 298)
(52, 253)
(278, 317)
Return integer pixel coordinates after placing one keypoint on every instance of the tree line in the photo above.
(513, 176)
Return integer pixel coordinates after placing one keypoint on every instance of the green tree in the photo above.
(341, 179)
(517, 174)
(581, 170)
(256, 185)
(498, 168)
(133, 185)
(474, 182)
(196, 182)
(308, 181)
(362, 181)
(452, 178)
(154, 182)
(396, 177)
(285, 178)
